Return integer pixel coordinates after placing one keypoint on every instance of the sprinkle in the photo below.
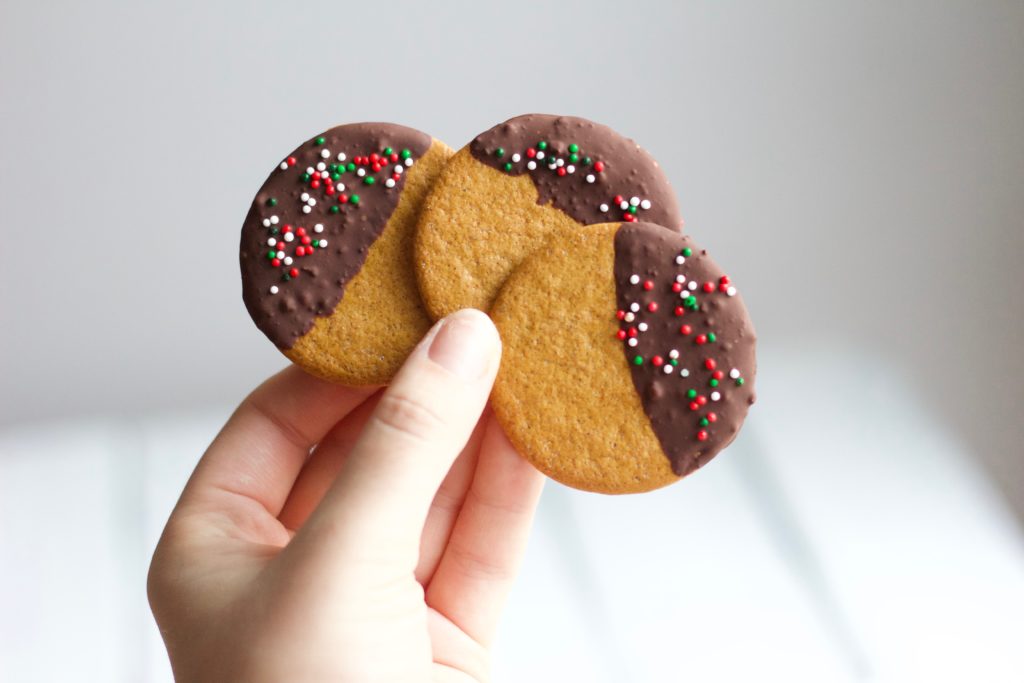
(635, 307)
(325, 153)
(406, 154)
(629, 317)
(274, 289)
(271, 242)
(687, 251)
(287, 260)
(408, 161)
(680, 260)
(634, 279)
(304, 197)
(266, 222)
(390, 182)
(322, 244)
(715, 396)
(570, 168)
(668, 369)
(516, 158)
(542, 145)
(306, 209)
(361, 172)
(734, 373)
(731, 291)
(283, 167)
(692, 285)
(341, 156)
(739, 381)
(540, 155)
(624, 205)
(532, 165)
(634, 201)
(603, 207)
(684, 373)
(591, 178)
(321, 167)
(500, 152)
(289, 236)
(598, 166)
(645, 204)
(632, 341)
(642, 327)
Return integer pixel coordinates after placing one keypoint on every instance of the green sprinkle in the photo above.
(316, 244)
(335, 176)
(500, 152)
(320, 140)
(354, 199)
(712, 382)
(334, 209)
(639, 360)
(388, 151)
(739, 381)
(271, 202)
(286, 277)
(271, 254)
(711, 336)
(350, 167)
(305, 177)
(274, 231)
(573, 148)
(542, 145)
(673, 362)
(587, 161)
(332, 168)
(508, 166)
(574, 158)
(692, 393)
(369, 180)
(632, 209)
(704, 422)
(406, 154)
(687, 252)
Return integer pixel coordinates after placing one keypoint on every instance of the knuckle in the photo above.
(408, 416)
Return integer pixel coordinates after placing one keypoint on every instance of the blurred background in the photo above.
(858, 167)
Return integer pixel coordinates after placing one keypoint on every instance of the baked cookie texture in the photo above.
(628, 358)
(534, 176)
(326, 250)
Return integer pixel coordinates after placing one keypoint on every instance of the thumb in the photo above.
(377, 506)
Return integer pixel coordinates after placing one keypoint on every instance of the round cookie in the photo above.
(501, 196)
(628, 358)
(326, 250)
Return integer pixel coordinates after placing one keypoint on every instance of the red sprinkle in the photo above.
(621, 334)
(648, 285)
(702, 435)
(531, 153)
(679, 311)
(658, 361)
(291, 161)
(709, 363)
(702, 400)
(653, 307)
(286, 228)
(712, 417)
(686, 329)
(701, 339)
(599, 166)
(305, 239)
(677, 287)
(294, 272)
(343, 198)
(709, 286)
(618, 199)
(718, 374)
(394, 156)
(396, 176)
(562, 171)
(315, 184)
(724, 279)
(620, 314)
(300, 251)
(694, 405)
(632, 332)
(374, 158)
(275, 262)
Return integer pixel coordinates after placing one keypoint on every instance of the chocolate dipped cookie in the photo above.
(327, 250)
(628, 358)
(500, 197)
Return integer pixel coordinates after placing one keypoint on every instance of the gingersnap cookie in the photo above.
(326, 250)
(500, 197)
(628, 358)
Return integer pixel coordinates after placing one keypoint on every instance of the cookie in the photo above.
(628, 358)
(500, 197)
(326, 250)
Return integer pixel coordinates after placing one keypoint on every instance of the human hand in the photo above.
(327, 535)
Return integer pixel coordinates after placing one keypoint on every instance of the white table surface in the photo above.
(847, 540)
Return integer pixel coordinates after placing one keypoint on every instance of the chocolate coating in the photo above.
(650, 252)
(628, 170)
(323, 274)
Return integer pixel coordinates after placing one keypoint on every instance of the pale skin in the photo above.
(339, 534)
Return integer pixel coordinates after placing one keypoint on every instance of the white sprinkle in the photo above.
(341, 156)
(325, 174)
(289, 236)
(390, 182)
(734, 373)
(634, 279)
(283, 167)
(311, 202)
(360, 172)
(629, 317)
(323, 243)
(731, 291)
(632, 341)
(340, 187)
(680, 260)
(516, 158)
(279, 254)
(274, 289)
(684, 373)
(604, 208)
(288, 260)
(645, 204)
(408, 162)
(680, 279)
(634, 201)
(304, 197)
(570, 169)
(310, 170)
(271, 242)
(532, 165)
(274, 219)
(399, 169)
(635, 307)
(673, 353)
(624, 205)
(559, 162)
(266, 222)
(668, 367)
(324, 153)
(540, 156)
(321, 167)
(715, 396)
(692, 285)
(319, 227)
(642, 327)
(306, 209)
(590, 178)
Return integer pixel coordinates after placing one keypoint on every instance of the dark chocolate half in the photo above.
(583, 168)
(311, 225)
(688, 341)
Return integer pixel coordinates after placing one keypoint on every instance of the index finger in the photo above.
(259, 452)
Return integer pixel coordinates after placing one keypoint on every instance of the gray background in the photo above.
(857, 167)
